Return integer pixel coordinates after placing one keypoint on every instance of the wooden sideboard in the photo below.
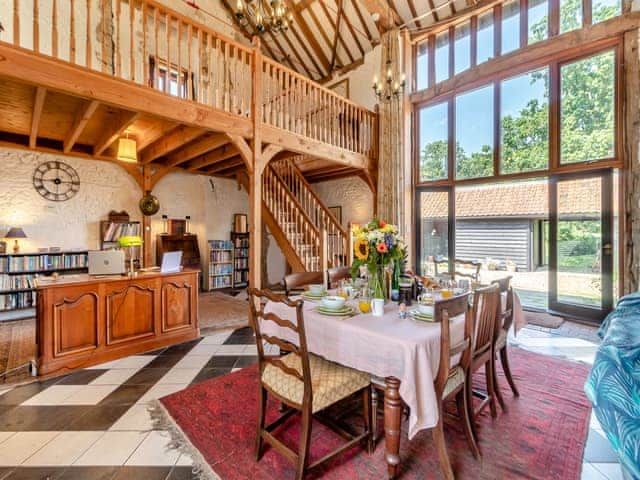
(83, 321)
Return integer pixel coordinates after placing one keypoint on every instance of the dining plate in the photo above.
(421, 316)
(313, 296)
(341, 312)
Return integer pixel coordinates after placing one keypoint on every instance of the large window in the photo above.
(434, 142)
(474, 133)
(570, 15)
(510, 26)
(587, 106)
(485, 43)
(524, 122)
(422, 66)
(538, 17)
(462, 46)
(605, 9)
(442, 57)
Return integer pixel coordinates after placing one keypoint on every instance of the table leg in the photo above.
(392, 424)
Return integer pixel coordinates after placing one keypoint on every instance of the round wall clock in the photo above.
(149, 204)
(56, 181)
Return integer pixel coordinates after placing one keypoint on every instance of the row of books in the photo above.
(116, 230)
(220, 269)
(240, 277)
(220, 256)
(241, 243)
(220, 244)
(241, 263)
(241, 252)
(29, 263)
(13, 301)
(16, 282)
(220, 282)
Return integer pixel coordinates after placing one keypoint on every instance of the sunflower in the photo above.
(362, 249)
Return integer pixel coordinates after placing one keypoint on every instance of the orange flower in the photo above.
(382, 224)
(382, 248)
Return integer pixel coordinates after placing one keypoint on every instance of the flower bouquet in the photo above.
(376, 245)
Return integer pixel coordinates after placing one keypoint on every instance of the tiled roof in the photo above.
(522, 199)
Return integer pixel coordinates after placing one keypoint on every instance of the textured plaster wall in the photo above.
(361, 79)
(352, 194)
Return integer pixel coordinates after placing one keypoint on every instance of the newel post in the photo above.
(324, 255)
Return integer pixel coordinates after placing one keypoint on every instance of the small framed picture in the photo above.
(3, 247)
(337, 212)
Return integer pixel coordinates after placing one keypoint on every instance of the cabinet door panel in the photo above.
(75, 324)
(130, 312)
(176, 306)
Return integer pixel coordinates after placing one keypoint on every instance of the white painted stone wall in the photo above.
(352, 194)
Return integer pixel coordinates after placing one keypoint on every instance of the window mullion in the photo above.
(554, 116)
(496, 128)
(524, 23)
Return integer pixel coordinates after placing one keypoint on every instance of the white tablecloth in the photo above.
(382, 346)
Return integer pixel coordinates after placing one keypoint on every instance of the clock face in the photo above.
(56, 181)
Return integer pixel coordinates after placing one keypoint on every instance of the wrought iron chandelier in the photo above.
(393, 86)
(264, 15)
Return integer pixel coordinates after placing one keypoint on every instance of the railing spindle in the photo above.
(36, 27)
(54, 27)
(132, 34)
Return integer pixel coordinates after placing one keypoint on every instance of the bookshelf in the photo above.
(240, 243)
(19, 271)
(112, 230)
(220, 264)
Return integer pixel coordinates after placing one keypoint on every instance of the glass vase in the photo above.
(376, 283)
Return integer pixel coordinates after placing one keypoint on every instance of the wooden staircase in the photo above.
(309, 235)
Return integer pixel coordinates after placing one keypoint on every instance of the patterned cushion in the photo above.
(502, 339)
(455, 380)
(330, 382)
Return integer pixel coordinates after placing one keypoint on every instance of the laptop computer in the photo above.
(107, 262)
(171, 262)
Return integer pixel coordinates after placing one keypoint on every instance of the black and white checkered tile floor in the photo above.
(94, 424)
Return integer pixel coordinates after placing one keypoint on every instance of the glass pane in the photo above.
(501, 226)
(485, 37)
(510, 26)
(615, 236)
(579, 242)
(462, 45)
(605, 9)
(434, 232)
(570, 15)
(434, 142)
(587, 109)
(442, 57)
(524, 122)
(422, 66)
(474, 133)
(538, 16)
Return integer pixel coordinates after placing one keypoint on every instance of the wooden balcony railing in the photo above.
(144, 42)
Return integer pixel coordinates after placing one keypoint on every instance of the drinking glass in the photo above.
(364, 301)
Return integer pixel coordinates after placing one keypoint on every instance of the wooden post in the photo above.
(407, 154)
(147, 253)
(255, 175)
(324, 255)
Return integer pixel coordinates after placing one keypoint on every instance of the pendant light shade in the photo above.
(127, 150)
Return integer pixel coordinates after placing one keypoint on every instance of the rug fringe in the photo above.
(179, 440)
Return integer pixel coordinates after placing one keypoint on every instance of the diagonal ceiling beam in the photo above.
(311, 38)
(297, 54)
(387, 18)
(197, 148)
(365, 25)
(83, 115)
(118, 125)
(354, 34)
(335, 27)
(156, 131)
(38, 105)
(226, 165)
(303, 41)
(334, 49)
(178, 137)
(210, 158)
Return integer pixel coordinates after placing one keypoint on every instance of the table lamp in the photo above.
(15, 232)
(129, 242)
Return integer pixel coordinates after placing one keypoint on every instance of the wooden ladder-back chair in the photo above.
(486, 303)
(336, 274)
(473, 276)
(505, 320)
(295, 282)
(303, 382)
(451, 380)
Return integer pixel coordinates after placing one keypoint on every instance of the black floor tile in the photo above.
(246, 361)
(25, 392)
(182, 473)
(99, 417)
(36, 473)
(142, 473)
(181, 348)
(159, 351)
(223, 361)
(164, 361)
(89, 473)
(25, 418)
(125, 395)
(4, 472)
(81, 377)
(209, 373)
(242, 336)
(147, 376)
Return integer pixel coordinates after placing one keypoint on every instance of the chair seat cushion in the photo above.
(456, 378)
(501, 341)
(330, 382)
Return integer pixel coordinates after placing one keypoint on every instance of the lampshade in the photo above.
(15, 232)
(127, 150)
(130, 241)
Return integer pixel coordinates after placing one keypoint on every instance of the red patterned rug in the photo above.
(542, 435)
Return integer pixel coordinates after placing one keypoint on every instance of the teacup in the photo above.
(316, 289)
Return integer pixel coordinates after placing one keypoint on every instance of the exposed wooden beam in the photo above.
(387, 18)
(414, 13)
(302, 40)
(156, 131)
(337, 29)
(354, 34)
(119, 124)
(311, 38)
(83, 115)
(228, 151)
(365, 25)
(297, 54)
(303, 4)
(229, 164)
(285, 57)
(178, 137)
(334, 48)
(320, 27)
(196, 148)
(38, 104)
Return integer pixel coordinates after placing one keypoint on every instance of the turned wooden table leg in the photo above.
(392, 424)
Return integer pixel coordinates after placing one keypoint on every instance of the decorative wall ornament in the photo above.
(56, 181)
(149, 204)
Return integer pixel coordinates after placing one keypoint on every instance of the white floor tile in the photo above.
(233, 350)
(89, 395)
(159, 391)
(193, 361)
(154, 450)
(22, 445)
(137, 418)
(250, 350)
(54, 395)
(216, 338)
(115, 376)
(589, 472)
(113, 448)
(184, 460)
(205, 349)
(63, 449)
(134, 361)
(179, 375)
(613, 471)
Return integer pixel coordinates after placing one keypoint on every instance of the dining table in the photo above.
(401, 351)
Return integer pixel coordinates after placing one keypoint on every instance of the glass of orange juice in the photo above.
(364, 301)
